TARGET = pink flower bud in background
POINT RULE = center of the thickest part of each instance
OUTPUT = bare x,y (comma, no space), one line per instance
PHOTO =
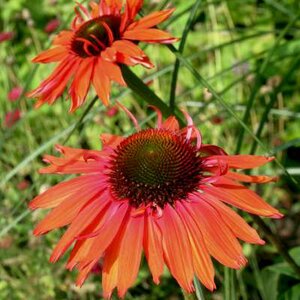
52,25
14,93
6,36
23,185
112,111
12,117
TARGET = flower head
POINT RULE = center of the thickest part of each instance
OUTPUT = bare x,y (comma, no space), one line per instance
161,191
91,52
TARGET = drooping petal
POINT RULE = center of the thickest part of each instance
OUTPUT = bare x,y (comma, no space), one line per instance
130,254
51,55
81,82
130,54
61,165
149,35
153,248
64,190
101,82
131,10
97,241
239,196
86,217
113,72
243,161
77,153
251,178
151,20
219,240
122,260
177,248
202,263
236,223
65,213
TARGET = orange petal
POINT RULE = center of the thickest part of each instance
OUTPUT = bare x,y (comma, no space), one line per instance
77,153
240,196
81,82
111,140
101,82
153,248
109,227
130,254
122,259
130,54
60,165
243,161
177,249
65,213
202,263
171,124
236,223
151,20
63,38
250,179
64,190
51,55
92,248
149,35
88,215
133,7
114,72
219,240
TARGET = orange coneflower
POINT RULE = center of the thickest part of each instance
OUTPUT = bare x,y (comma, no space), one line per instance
159,190
92,51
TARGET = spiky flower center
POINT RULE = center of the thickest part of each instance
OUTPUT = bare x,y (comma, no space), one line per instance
96,35
154,166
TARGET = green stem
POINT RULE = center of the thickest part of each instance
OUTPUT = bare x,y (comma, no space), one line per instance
275,240
144,92
79,122
180,50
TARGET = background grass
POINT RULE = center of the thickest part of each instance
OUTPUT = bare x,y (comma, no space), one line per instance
245,59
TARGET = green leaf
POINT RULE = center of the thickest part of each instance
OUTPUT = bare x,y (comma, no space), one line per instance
284,268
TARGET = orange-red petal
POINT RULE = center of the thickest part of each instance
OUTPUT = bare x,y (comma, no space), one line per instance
101,82
239,196
64,190
202,263
149,35
151,20
236,223
243,161
51,55
153,248
177,248
219,240
251,178
81,82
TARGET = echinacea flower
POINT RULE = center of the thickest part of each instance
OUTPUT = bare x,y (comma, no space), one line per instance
161,191
92,51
